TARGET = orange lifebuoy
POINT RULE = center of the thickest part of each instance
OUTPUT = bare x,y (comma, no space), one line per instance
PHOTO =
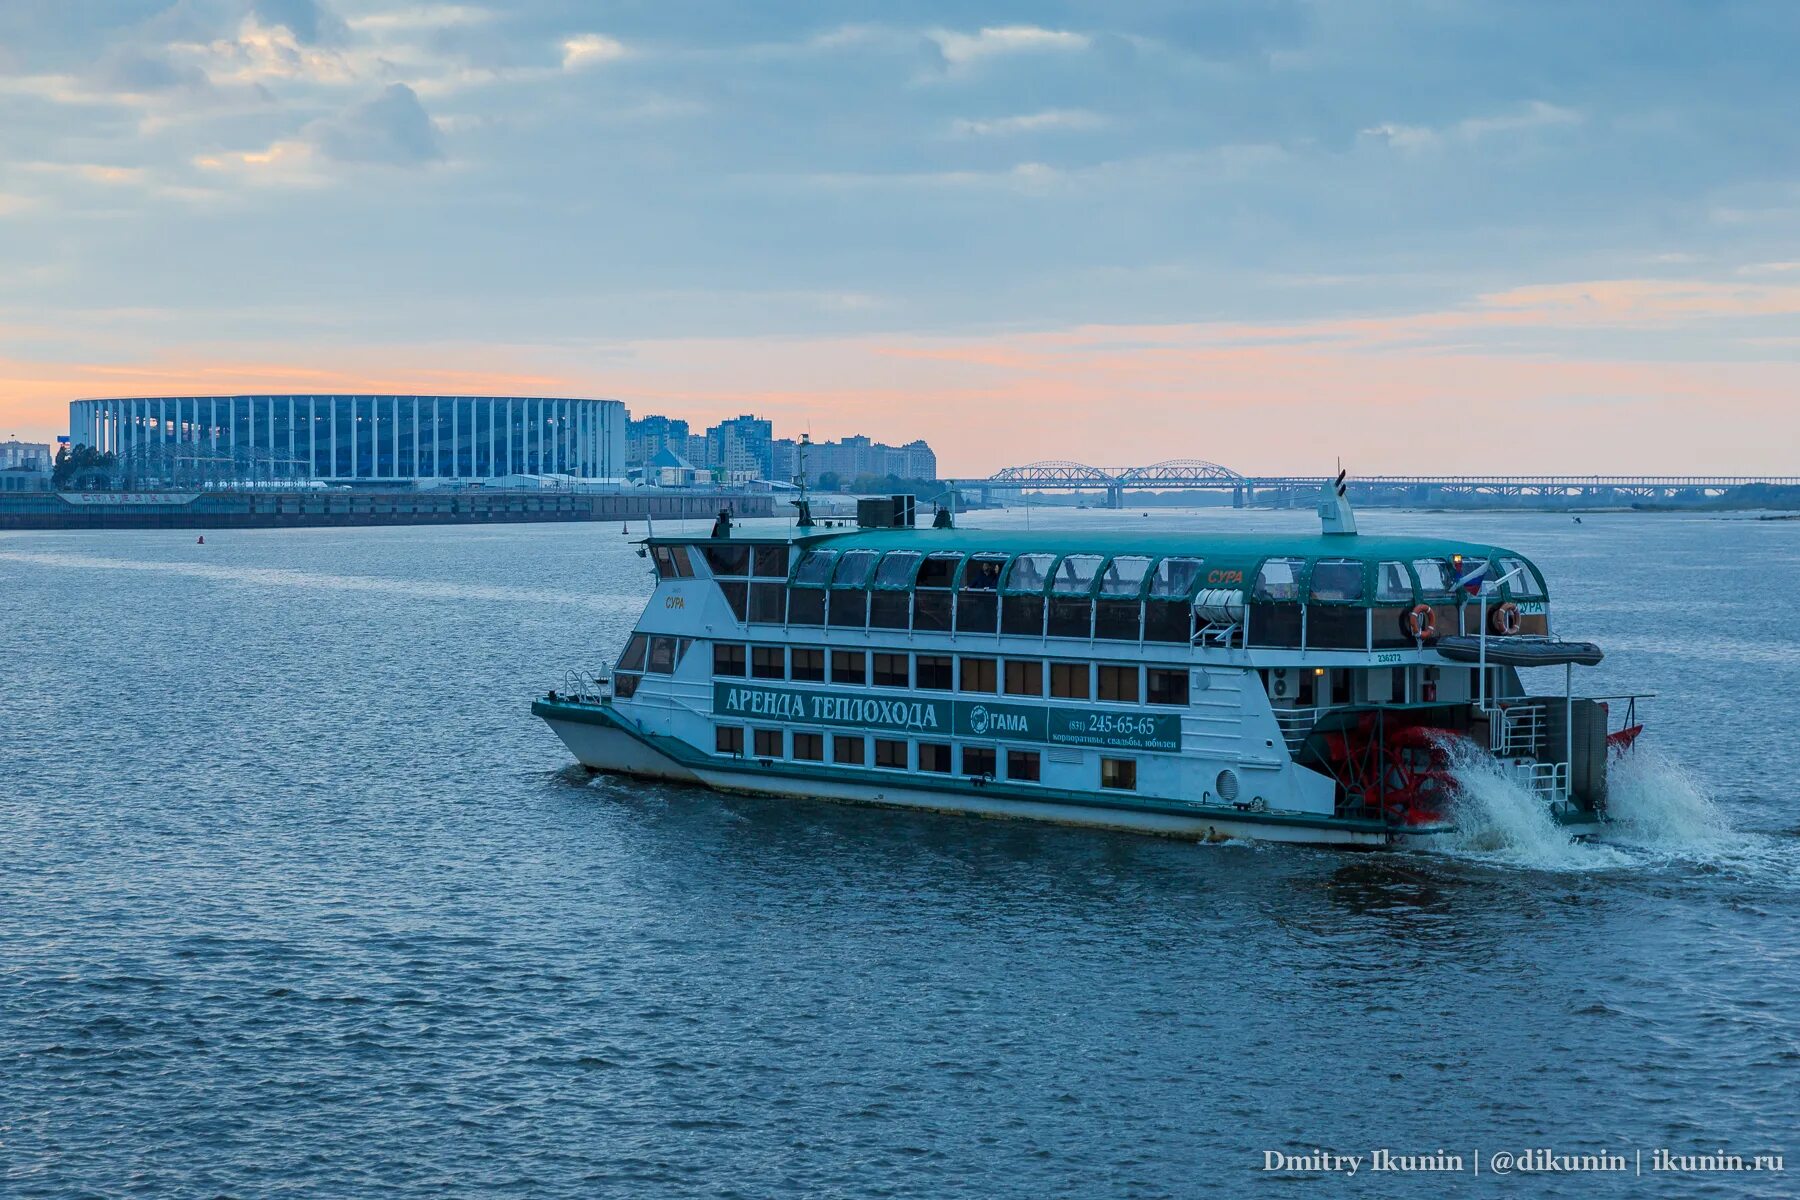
1419,622
1504,620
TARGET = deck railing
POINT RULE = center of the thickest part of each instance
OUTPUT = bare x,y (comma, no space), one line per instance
1296,725
586,686
1517,730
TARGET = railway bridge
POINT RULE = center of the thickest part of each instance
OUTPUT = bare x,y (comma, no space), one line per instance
1199,475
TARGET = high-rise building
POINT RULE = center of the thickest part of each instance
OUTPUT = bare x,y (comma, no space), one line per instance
24,456
853,458
743,447
646,436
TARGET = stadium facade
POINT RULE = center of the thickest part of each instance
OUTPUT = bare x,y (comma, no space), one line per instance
349,439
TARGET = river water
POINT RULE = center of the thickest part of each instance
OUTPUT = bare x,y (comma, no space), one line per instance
297,898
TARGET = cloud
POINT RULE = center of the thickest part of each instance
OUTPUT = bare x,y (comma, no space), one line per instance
1048,121
422,17
392,128
1535,115
311,23
586,50
961,50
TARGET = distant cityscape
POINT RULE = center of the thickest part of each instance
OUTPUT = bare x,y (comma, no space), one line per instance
665,451
426,441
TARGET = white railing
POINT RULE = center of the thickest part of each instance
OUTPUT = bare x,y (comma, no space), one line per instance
586,686
1548,782
1295,725
1518,729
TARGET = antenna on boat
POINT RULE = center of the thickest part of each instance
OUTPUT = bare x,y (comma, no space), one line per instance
803,504
1335,513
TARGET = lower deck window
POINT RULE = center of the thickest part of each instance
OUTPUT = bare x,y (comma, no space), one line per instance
1069,681
625,686
847,748
768,743
891,670
1024,677
976,674
1119,773
849,666
806,665
1165,686
934,756
1119,684
890,753
933,671
978,761
809,747
1024,765
728,739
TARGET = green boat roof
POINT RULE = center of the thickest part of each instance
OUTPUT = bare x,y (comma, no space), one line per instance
1229,560
1235,547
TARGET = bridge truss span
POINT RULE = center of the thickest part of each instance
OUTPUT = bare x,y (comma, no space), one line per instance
1201,475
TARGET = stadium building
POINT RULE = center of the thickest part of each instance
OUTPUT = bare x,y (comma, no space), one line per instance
351,439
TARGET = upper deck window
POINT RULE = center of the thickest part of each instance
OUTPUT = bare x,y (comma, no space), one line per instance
1337,580
1075,574
1029,572
938,570
854,568
896,569
1278,580
633,658
728,560
1434,576
672,562
983,572
1392,584
1175,578
666,654
1124,575
771,562
1525,585
815,568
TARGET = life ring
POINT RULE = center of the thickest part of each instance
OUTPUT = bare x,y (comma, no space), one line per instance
1504,620
1419,622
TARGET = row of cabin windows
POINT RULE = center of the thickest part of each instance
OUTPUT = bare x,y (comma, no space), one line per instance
1125,576
925,611
938,758
1331,624
1115,682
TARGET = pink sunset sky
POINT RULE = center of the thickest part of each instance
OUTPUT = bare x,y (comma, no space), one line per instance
1104,234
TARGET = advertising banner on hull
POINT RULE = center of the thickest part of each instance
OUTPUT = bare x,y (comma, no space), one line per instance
910,713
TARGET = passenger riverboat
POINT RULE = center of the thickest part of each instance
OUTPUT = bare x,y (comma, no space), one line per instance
1314,688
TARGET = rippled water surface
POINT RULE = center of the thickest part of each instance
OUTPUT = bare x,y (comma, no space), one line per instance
297,898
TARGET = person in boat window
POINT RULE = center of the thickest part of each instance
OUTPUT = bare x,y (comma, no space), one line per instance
1278,580
982,575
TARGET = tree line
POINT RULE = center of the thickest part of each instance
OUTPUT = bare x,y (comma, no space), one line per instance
82,468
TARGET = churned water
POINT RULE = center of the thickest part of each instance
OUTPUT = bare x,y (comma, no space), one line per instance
297,899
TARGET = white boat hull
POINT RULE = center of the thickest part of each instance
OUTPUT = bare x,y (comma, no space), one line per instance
614,750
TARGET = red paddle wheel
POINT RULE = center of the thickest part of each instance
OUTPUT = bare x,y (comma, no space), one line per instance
1402,772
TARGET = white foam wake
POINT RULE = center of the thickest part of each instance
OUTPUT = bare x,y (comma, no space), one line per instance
1497,818
1655,809
1654,801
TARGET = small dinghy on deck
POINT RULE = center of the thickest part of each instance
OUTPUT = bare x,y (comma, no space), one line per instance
1520,651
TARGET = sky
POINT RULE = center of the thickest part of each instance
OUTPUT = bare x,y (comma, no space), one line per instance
1419,235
